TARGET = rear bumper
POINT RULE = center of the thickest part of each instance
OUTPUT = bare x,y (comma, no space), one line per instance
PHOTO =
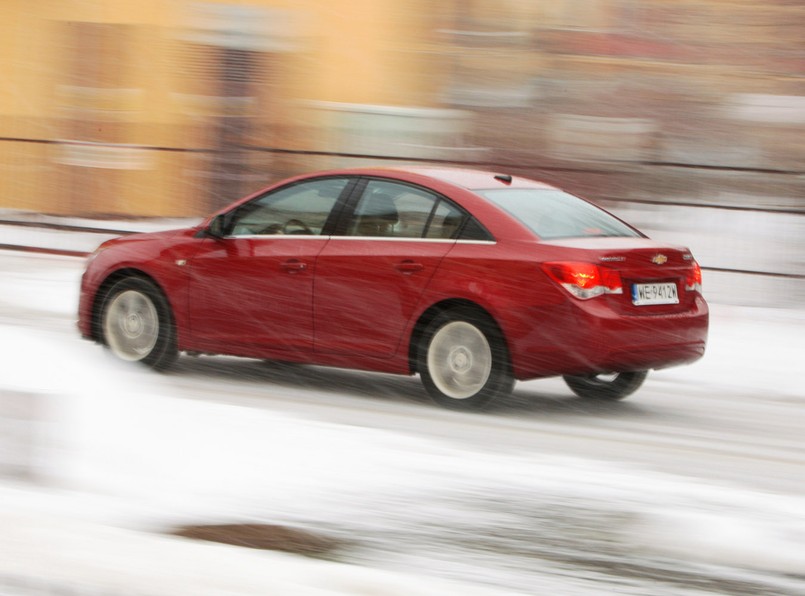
587,337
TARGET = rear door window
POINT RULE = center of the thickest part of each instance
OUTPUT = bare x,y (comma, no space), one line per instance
390,209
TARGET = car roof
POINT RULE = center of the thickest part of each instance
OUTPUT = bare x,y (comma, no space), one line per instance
462,177
476,179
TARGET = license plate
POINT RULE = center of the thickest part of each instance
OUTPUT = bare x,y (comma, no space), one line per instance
665,293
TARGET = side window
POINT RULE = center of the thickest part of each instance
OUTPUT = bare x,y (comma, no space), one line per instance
390,209
298,209
446,222
396,210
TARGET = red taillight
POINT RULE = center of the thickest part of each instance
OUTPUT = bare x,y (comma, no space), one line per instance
693,279
584,280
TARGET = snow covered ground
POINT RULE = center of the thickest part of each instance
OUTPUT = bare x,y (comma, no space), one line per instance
695,485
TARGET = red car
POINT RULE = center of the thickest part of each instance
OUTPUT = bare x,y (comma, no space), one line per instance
470,279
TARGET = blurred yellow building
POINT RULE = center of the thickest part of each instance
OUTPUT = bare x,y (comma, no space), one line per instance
173,108
151,107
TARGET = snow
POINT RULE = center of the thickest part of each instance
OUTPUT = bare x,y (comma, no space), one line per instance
690,487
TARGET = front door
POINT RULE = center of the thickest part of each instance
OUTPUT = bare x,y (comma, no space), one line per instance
251,292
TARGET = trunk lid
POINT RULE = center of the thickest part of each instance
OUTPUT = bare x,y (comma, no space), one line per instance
657,278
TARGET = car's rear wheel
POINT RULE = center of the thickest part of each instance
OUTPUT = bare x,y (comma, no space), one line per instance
137,324
463,361
606,386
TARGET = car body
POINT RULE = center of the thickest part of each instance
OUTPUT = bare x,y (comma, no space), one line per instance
471,279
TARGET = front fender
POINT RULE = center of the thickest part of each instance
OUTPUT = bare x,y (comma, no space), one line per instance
160,257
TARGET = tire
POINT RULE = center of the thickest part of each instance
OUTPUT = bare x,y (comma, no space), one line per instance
137,324
610,387
463,361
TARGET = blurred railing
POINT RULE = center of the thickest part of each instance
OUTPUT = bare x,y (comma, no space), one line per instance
752,254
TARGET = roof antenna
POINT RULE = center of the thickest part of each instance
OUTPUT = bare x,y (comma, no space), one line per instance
505,178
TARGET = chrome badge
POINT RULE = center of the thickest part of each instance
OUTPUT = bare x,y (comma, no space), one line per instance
659,259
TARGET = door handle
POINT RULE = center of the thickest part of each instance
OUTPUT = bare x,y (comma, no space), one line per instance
409,266
294,266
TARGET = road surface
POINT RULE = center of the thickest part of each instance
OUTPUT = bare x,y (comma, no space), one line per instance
694,485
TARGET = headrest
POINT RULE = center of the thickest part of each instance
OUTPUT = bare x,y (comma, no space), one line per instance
380,206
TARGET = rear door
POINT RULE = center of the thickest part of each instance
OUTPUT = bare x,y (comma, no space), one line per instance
369,279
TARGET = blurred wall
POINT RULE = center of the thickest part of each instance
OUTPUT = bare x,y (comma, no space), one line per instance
175,108
154,108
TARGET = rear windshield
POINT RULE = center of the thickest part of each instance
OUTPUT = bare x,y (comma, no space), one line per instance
555,214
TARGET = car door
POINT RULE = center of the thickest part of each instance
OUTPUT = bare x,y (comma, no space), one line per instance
251,290
369,278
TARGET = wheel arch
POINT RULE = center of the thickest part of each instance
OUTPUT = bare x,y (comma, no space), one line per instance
435,310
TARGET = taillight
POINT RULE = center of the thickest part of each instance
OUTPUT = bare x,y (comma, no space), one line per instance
584,280
693,279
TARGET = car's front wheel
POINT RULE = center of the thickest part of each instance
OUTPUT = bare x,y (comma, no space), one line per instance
463,361
612,386
137,324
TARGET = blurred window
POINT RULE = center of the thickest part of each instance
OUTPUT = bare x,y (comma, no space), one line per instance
396,210
552,214
593,15
446,221
299,209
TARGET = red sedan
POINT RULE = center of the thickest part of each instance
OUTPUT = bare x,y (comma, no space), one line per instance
468,278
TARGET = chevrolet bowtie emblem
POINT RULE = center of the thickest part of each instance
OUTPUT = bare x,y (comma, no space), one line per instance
659,259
